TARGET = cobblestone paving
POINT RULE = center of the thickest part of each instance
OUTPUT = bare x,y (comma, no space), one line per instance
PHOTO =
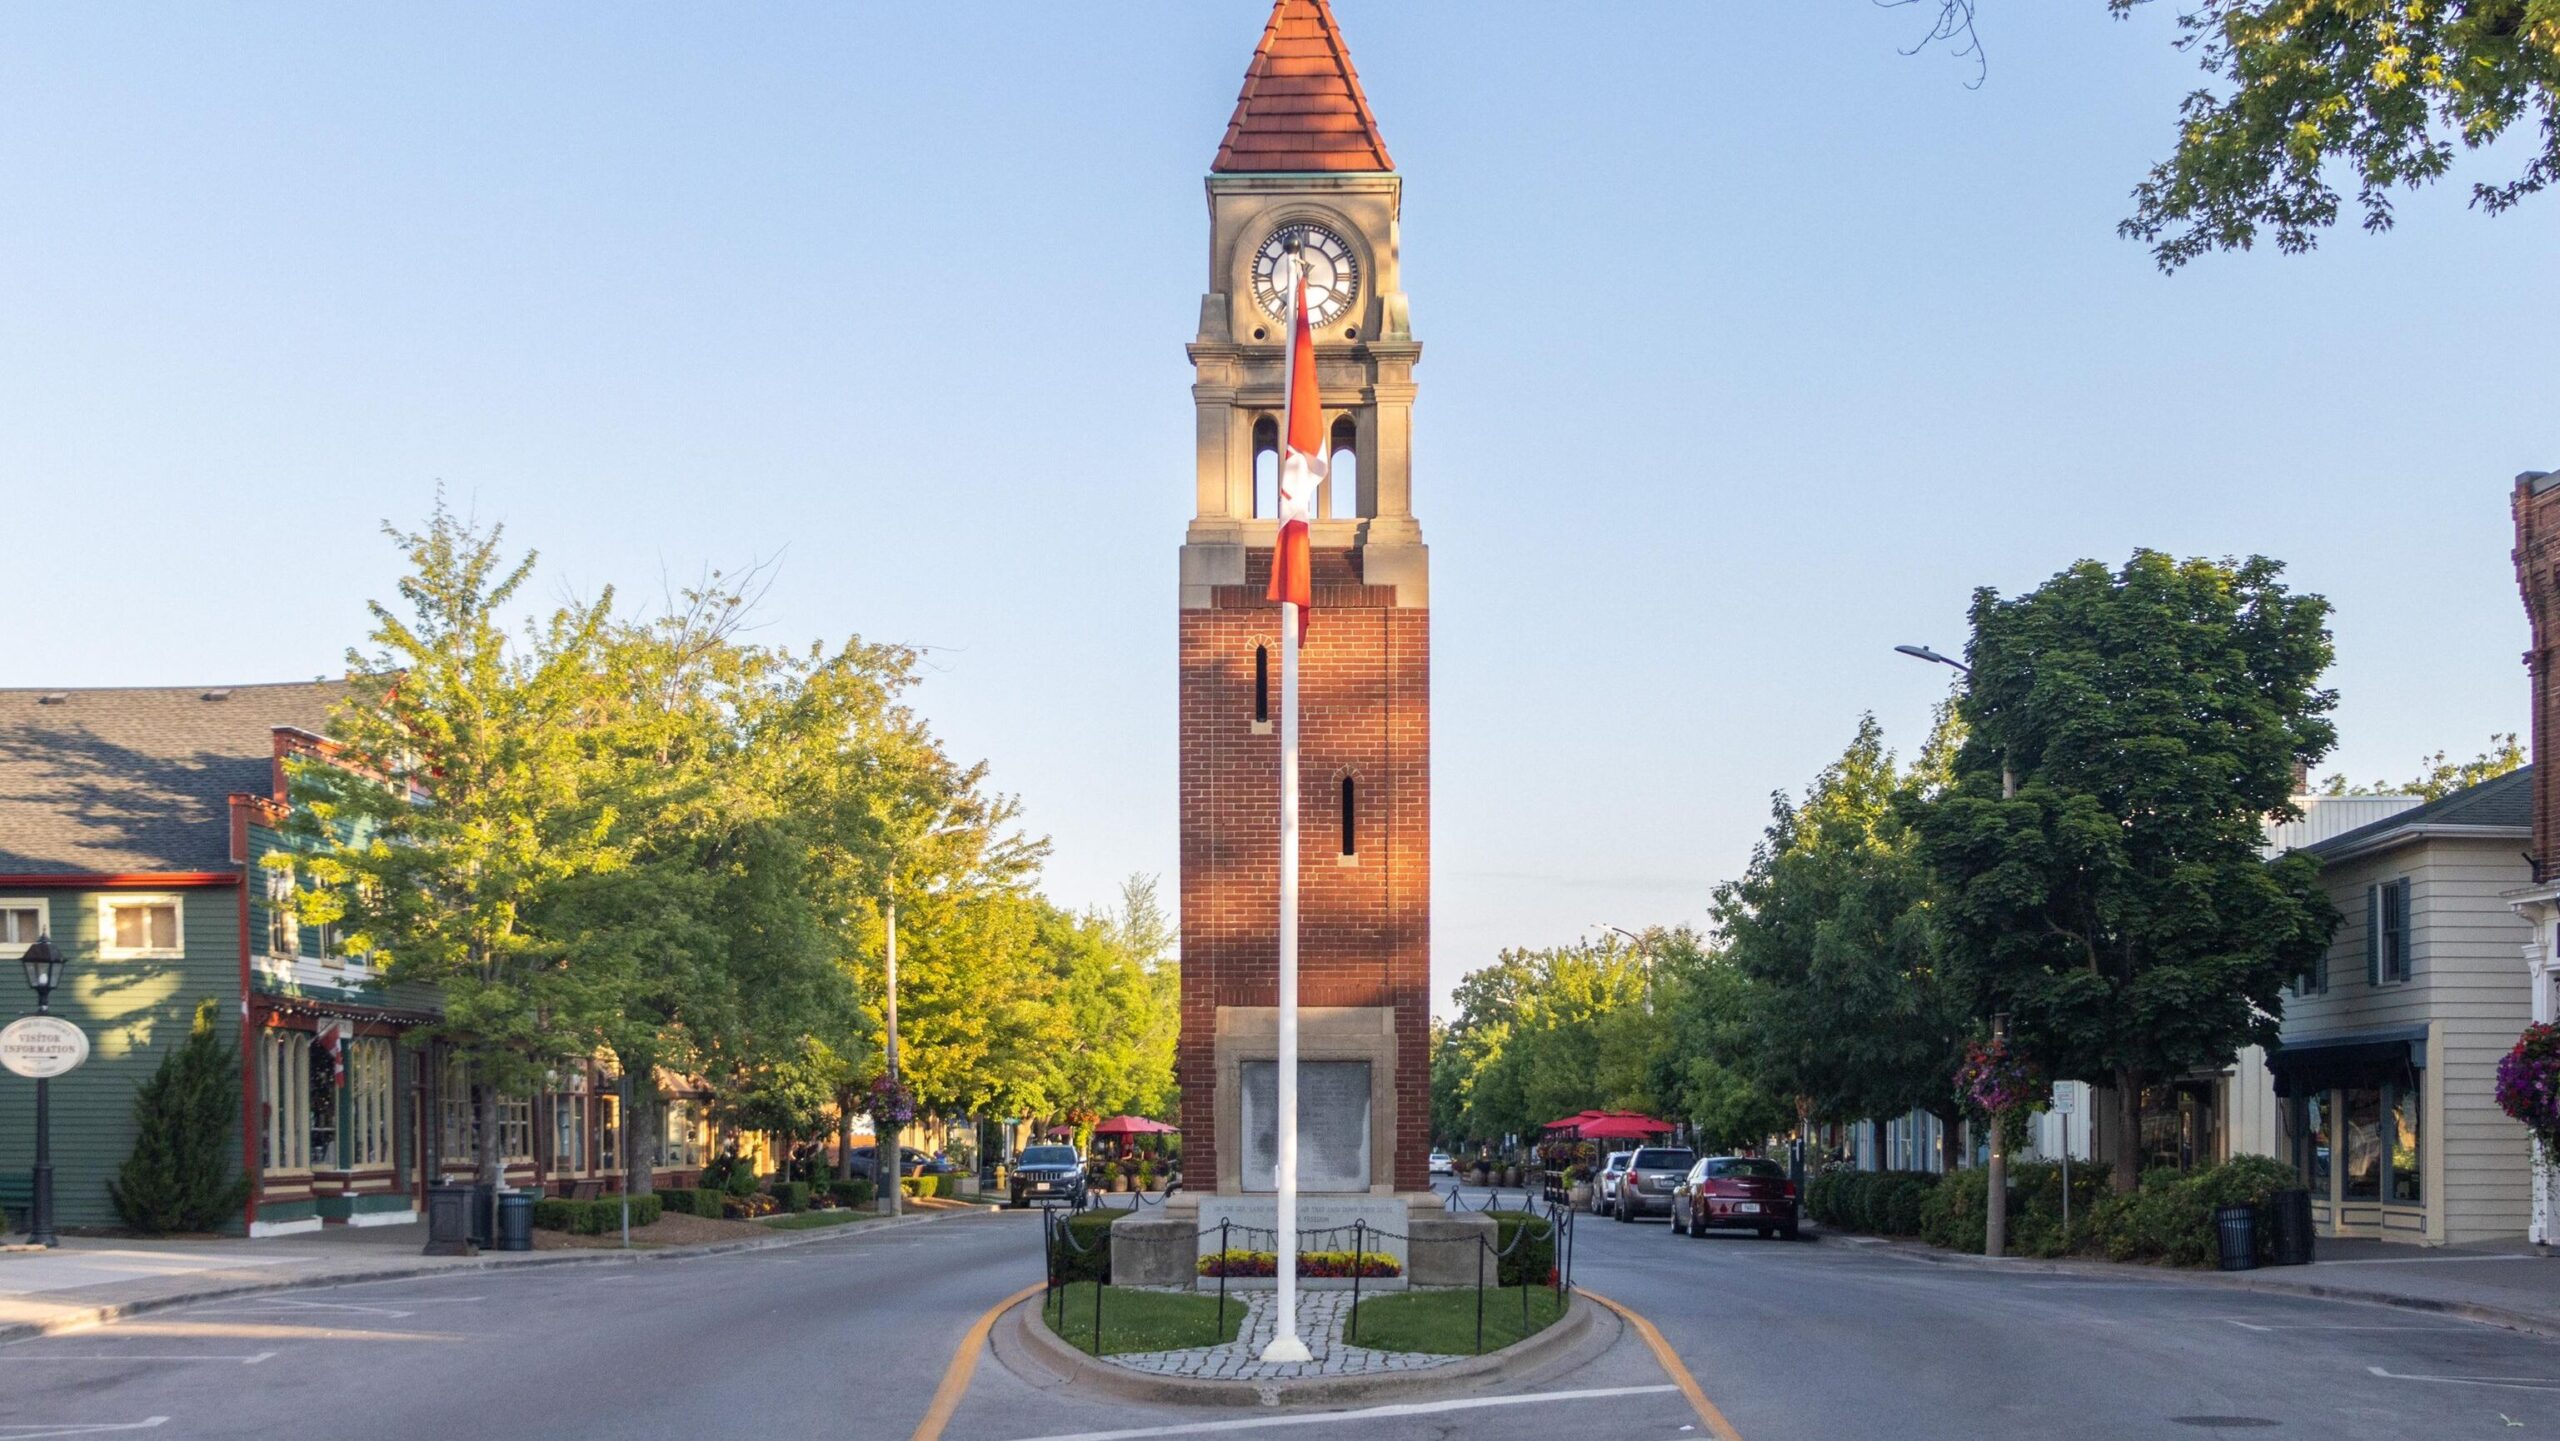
1321,1315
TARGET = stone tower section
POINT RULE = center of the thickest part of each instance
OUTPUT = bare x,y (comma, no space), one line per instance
1302,165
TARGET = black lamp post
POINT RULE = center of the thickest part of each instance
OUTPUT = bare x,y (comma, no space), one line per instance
43,965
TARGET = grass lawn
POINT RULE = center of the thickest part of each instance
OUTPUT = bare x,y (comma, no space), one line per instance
1443,1323
1139,1320
811,1220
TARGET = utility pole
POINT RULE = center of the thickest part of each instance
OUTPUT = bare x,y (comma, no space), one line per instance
1995,1216
888,1157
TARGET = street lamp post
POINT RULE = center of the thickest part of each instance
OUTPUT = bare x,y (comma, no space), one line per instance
43,966
1995,1216
1644,956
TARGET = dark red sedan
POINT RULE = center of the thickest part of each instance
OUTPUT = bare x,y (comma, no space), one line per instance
1735,1193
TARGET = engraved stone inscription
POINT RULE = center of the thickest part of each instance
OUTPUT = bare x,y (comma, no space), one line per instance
1333,1125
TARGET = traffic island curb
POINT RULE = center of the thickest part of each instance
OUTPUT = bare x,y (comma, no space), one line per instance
1585,1331
86,1317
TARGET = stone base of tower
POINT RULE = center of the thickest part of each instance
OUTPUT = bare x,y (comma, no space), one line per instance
1162,1247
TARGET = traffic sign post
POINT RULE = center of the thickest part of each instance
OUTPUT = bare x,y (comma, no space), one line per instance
2063,1101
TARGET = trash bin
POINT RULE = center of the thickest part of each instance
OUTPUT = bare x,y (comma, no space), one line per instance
2289,1214
2238,1227
515,1220
449,1219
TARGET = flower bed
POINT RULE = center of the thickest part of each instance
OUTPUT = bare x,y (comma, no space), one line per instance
1314,1265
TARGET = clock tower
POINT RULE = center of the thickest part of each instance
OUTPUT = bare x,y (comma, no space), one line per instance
1302,167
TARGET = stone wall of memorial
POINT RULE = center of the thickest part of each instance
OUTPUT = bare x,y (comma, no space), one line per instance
1365,910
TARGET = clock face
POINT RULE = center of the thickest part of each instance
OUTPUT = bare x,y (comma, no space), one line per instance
1333,274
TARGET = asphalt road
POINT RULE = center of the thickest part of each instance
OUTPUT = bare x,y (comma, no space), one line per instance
848,1336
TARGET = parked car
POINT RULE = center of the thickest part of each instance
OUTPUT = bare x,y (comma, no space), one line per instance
1047,1176
911,1162
1645,1187
1737,1192
1604,1187
1443,1164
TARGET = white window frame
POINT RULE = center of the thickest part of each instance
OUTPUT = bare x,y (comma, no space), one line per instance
108,950
284,928
42,906
284,1083
365,1122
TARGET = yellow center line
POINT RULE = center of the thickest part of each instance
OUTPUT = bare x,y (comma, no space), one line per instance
1708,1415
964,1364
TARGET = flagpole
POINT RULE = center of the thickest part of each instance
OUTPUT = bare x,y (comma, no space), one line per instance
1286,1345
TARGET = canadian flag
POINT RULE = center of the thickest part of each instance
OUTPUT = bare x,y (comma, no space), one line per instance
1302,463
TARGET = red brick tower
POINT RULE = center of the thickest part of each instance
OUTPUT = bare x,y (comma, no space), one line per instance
1302,164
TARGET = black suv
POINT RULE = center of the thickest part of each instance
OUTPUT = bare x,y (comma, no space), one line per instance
1048,1176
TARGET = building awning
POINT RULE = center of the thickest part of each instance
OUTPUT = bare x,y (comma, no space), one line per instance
2365,1058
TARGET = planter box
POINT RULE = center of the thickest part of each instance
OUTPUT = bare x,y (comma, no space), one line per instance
1305,1283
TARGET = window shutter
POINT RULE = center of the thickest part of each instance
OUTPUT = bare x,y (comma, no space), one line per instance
2373,935
2407,935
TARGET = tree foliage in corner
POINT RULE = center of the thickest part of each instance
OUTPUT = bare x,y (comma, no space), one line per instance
2442,775
2386,91
181,1175
2382,93
2118,908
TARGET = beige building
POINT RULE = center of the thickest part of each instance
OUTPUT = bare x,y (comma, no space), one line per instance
2391,1044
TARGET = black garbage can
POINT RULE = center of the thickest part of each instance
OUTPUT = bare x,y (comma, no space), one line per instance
449,1219
515,1220
2238,1227
2289,1213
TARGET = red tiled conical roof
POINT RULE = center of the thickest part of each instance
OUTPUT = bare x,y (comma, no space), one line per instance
1302,108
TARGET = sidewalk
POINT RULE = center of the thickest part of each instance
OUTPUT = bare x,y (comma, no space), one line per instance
2501,1283
89,1280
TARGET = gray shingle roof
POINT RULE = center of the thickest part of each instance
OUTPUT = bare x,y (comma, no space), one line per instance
139,780
2501,802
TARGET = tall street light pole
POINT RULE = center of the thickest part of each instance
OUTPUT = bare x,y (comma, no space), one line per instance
888,1153
1644,956
1995,1219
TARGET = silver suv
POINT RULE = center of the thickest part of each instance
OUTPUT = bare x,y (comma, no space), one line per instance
1645,1189
1604,1187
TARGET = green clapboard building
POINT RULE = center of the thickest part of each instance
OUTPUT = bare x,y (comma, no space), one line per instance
133,826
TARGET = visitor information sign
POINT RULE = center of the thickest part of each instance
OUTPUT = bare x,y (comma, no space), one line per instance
39,1047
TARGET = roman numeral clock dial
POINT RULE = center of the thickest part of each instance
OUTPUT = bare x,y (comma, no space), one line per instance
1333,274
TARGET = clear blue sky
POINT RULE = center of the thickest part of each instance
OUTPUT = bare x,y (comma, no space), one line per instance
1752,346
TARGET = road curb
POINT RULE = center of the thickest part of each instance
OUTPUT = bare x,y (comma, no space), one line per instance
89,1316
2256,1280
1566,1341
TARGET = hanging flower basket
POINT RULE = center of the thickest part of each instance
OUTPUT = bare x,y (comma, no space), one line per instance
891,1104
1996,1080
2529,1083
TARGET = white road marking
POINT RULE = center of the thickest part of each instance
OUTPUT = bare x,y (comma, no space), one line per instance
2522,1383
73,1428
1373,1413
47,1357
2264,1326
2419,1261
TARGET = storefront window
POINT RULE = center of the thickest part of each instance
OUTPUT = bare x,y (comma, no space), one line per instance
568,1133
2315,1144
2362,1115
2408,1171
460,1129
284,1094
609,1131
324,1111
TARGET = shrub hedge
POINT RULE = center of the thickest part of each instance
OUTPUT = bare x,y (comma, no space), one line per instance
1534,1258
593,1218
791,1195
1886,1203
1091,1231
852,1193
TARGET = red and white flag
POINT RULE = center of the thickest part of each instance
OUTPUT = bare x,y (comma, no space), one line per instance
1302,463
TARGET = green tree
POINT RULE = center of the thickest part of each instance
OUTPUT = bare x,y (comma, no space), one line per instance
1709,1059
2440,775
2117,907
1857,1010
181,1175
457,807
1581,1033
2379,94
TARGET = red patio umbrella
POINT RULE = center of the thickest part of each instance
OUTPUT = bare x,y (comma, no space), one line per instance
1575,1120
1629,1127
1135,1126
